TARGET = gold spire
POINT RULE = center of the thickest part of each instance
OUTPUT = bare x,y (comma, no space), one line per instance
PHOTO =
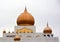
47,24
25,11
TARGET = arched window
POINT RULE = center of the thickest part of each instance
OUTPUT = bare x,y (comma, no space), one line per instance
48,35
44,35
24,30
52,35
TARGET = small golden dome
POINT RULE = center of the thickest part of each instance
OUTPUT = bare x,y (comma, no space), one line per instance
47,30
25,19
17,38
9,32
4,31
12,32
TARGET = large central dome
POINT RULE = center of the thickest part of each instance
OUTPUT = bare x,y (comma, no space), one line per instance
25,19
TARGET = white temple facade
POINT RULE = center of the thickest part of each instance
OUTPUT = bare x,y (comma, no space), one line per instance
25,31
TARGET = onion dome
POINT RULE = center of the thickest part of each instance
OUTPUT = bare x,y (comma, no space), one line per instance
4,31
12,32
47,30
17,38
25,19
9,32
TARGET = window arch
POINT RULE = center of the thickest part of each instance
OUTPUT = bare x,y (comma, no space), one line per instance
24,30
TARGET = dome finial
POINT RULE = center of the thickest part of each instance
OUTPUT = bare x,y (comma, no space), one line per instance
47,24
25,9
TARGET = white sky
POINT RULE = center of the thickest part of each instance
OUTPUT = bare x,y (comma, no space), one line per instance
42,10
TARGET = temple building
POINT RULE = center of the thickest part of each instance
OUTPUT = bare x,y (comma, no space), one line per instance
25,31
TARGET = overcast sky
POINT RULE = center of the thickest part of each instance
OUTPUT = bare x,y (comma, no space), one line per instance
42,10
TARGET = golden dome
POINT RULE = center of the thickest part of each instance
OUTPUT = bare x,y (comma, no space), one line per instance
47,30
25,19
4,31
17,38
